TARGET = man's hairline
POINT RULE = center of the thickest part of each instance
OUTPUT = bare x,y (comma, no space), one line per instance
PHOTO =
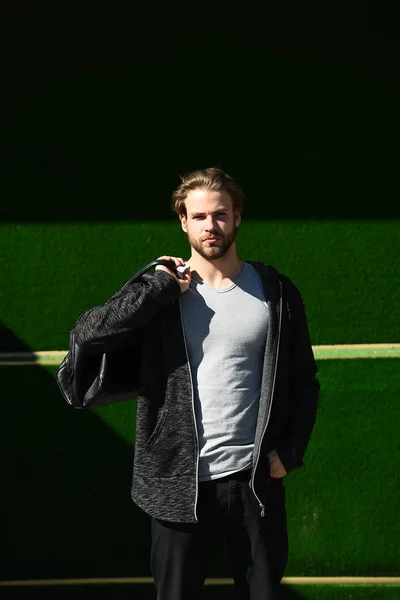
184,213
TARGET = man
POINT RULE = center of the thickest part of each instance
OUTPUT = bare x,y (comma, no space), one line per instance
227,400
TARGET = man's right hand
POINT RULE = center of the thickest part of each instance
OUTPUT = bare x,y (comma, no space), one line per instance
187,277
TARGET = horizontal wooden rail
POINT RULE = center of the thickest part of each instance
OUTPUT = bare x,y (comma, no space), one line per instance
210,581
325,352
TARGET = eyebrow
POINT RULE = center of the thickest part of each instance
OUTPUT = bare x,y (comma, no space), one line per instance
214,212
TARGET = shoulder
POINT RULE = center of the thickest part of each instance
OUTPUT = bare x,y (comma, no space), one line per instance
271,272
290,289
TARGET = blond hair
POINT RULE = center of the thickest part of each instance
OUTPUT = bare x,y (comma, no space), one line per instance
212,179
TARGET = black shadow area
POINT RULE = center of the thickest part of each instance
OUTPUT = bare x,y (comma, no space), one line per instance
105,108
65,504
128,592
66,509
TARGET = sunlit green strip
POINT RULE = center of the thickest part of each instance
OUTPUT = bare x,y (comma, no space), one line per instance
356,352
326,352
341,580
51,358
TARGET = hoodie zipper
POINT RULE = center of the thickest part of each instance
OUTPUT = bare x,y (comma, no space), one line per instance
260,504
194,417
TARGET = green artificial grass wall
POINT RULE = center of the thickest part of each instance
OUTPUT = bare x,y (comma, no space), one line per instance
311,592
67,477
347,272
343,504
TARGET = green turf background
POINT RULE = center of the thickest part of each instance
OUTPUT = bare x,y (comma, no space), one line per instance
67,507
347,272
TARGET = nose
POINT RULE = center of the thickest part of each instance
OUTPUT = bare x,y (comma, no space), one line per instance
209,224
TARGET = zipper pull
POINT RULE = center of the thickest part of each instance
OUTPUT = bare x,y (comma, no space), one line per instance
288,310
262,510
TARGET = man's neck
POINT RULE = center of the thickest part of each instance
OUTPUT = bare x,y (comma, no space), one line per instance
217,273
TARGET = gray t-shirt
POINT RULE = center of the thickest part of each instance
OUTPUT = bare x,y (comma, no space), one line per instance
225,333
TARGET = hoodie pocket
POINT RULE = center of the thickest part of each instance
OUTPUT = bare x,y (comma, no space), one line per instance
157,430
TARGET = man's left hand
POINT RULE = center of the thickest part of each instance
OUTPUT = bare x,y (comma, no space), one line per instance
277,470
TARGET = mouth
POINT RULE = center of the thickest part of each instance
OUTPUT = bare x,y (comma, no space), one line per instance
212,238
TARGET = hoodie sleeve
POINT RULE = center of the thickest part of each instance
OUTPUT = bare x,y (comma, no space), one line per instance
303,385
111,326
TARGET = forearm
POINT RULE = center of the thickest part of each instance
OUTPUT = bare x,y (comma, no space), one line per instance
303,386
111,326
303,405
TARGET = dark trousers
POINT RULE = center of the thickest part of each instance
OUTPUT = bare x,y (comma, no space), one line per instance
257,546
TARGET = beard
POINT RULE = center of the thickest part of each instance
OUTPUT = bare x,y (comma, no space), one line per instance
221,247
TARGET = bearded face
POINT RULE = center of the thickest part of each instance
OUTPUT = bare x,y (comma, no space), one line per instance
210,223
214,245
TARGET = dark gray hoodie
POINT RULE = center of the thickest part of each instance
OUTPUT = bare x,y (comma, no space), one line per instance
146,314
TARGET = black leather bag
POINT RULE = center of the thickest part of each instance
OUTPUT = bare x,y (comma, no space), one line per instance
86,380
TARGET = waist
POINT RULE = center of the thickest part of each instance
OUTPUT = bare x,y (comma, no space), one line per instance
243,475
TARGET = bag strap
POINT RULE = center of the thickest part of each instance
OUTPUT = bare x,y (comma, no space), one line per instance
154,263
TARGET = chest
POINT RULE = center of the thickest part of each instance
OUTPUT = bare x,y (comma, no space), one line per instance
233,322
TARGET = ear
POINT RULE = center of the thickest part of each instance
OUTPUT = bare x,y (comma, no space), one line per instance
238,218
183,220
